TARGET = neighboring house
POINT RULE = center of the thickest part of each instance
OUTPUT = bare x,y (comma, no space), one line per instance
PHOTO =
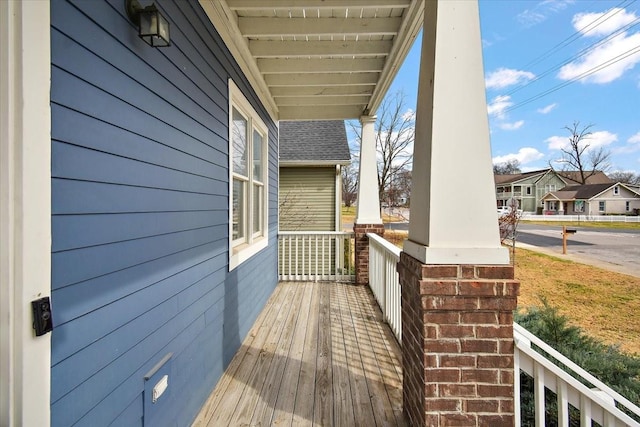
529,188
593,199
312,154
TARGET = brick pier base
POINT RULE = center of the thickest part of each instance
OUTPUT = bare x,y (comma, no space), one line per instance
457,342
362,249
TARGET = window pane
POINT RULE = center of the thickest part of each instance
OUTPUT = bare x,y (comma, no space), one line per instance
257,209
257,156
238,210
239,147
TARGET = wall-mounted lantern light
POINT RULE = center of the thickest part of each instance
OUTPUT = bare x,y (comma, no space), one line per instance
153,28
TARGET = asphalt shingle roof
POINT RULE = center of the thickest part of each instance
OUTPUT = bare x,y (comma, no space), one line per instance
314,141
574,177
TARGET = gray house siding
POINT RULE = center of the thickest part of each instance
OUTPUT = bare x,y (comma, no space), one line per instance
140,220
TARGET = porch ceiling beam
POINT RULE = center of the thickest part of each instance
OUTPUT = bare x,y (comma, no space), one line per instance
317,65
279,49
317,4
295,101
266,27
322,91
341,79
338,112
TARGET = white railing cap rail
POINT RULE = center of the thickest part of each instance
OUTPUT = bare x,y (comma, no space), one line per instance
523,340
387,245
315,233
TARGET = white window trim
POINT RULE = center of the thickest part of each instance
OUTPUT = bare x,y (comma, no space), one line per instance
616,190
25,210
239,253
604,206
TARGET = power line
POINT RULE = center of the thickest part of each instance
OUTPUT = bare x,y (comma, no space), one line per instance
576,35
578,55
587,73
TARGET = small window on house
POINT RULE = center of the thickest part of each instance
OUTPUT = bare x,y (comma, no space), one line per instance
627,206
528,191
601,206
616,191
248,175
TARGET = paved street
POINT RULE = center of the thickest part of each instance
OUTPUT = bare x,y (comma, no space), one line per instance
613,249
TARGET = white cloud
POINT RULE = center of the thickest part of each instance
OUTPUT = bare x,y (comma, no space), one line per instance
547,109
610,60
498,104
557,142
541,11
603,23
505,77
511,126
595,140
524,155
632,146
409,115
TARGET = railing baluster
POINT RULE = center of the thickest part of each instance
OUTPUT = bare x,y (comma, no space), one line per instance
563,405
538,390
585,411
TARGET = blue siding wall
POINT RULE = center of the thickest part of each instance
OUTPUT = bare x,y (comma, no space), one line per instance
140,195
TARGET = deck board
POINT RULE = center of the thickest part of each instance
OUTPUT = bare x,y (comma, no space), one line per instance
318,354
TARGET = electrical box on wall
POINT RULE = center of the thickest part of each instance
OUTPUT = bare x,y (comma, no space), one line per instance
157,387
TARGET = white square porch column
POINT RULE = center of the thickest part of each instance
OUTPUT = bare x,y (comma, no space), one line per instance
368,219
458,289
453,208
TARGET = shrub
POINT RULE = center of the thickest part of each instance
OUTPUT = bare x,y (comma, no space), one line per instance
618,370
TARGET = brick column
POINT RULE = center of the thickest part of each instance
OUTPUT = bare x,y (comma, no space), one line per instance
362,249
457,341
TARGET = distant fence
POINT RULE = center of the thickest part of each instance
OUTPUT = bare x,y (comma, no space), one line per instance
581,218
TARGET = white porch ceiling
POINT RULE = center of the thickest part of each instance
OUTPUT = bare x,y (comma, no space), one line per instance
318,59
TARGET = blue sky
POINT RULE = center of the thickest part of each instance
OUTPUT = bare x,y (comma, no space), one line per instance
533,47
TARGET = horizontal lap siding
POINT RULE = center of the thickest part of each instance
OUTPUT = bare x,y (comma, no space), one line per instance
308,198
140,195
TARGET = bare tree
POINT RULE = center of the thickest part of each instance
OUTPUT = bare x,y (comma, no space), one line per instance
578,157
508,224
509,167
395,133
294,213
349,184
625,177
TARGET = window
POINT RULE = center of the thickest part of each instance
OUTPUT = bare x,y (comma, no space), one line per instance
578,206
627,206
528,191
616,191
553,205
248,177
601,206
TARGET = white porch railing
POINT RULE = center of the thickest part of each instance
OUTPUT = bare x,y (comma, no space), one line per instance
316,255
595,400
383,280
329,256
581,218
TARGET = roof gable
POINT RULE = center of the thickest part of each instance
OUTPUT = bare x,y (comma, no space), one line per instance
320,142
516,177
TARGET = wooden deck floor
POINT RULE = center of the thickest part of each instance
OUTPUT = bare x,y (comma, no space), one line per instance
319,354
